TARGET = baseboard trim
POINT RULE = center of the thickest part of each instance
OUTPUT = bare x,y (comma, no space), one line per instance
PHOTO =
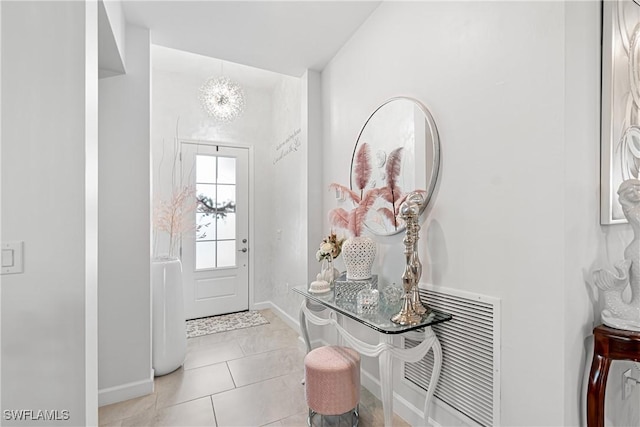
107,396
261,305
293,323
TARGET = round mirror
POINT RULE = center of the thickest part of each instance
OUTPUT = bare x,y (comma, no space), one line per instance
397,152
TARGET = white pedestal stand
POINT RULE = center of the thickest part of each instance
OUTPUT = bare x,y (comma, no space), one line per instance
168,322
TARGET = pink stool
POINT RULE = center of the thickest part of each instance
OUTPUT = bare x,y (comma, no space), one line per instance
332,382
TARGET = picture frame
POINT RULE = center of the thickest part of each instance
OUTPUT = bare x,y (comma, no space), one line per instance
620,114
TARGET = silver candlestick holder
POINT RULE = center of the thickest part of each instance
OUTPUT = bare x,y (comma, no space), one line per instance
416,199
412,308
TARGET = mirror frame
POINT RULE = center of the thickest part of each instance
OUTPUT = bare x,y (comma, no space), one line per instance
432,178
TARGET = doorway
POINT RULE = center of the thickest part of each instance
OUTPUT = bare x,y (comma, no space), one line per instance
215,253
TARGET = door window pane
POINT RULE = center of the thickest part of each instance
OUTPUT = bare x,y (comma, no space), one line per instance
205,169
226,170
205,255
205,227
227,253
227,197
208,191
226,227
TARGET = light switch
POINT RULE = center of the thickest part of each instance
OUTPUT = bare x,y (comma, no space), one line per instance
7,257
12,257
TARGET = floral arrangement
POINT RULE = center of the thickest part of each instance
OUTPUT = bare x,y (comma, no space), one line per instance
364,198
330,247
170,215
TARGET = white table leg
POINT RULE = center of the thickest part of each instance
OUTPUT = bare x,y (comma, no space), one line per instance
340,320
385,366
303,326
433,382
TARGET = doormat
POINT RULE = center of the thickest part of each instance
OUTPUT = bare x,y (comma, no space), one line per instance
224,323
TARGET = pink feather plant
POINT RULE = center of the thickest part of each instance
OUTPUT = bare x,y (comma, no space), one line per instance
362,168
392,193
363,198
353,220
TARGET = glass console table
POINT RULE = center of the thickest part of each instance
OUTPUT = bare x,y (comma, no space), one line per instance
385,350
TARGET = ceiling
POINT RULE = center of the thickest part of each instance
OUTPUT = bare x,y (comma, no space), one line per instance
204,67
287,37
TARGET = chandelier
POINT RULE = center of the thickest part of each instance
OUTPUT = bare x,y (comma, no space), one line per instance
222,99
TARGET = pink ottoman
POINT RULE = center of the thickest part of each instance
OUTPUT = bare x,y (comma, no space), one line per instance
332,381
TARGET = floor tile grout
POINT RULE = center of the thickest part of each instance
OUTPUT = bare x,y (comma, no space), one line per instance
244,357
235,386
213,408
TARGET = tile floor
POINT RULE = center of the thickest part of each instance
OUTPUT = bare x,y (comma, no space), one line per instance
247,377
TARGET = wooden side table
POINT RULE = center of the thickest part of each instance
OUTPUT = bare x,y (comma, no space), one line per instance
608,344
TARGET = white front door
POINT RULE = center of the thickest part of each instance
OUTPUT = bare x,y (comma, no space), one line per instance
215,257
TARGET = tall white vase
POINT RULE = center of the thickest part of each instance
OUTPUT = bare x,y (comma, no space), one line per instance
169,330
358,254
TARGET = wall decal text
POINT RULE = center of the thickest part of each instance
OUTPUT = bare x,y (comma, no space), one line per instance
288,146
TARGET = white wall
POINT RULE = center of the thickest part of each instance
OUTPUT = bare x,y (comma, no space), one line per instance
516,212
581,208
48,197
113,9
296,226
312,127
91,212
124,232
0,199
111,41
288,154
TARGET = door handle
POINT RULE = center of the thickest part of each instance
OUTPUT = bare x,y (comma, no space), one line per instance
243,250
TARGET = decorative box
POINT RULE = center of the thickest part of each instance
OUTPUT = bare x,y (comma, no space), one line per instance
346,289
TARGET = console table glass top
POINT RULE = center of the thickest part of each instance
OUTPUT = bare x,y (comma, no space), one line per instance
379,320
